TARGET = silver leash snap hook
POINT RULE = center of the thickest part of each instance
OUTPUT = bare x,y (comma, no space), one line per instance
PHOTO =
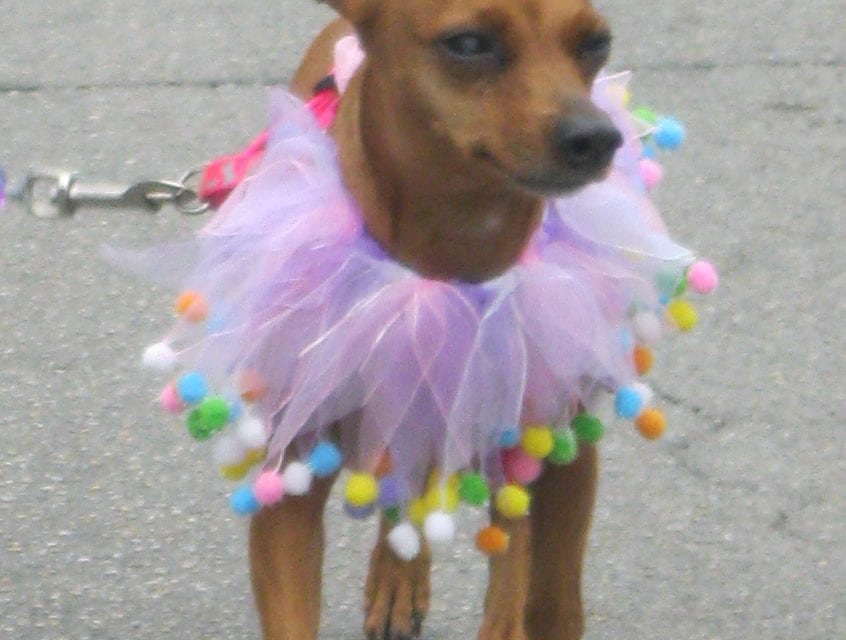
47,194
55,194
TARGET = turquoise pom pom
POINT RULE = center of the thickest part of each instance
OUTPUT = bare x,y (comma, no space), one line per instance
236,410
628,403
649,151
244,502
627,339
325,460
669,134
191,387
509,439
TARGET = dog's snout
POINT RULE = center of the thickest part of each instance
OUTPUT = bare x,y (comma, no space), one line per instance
585,142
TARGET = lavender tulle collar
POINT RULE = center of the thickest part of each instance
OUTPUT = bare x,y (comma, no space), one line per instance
301,346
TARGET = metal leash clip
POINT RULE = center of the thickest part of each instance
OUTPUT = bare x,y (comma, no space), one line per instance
59,194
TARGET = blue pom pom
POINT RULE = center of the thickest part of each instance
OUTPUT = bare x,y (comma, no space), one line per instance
359,513
325,460
649,152
243,501
191,387
392,492
627,339
215,323
670,134
236,410
628,403
509,438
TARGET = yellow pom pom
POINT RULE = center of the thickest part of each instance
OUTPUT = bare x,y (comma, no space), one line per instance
538,441
683,314
362,490
513,501
619,93
651,423
453,481
440,498
417,511
235,472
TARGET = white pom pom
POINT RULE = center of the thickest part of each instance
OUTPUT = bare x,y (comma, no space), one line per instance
251,433
439,528
404,541
229,451
644,391
297,479
647,327
159,357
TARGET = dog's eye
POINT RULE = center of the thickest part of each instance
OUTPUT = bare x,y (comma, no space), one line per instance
595,48
473,46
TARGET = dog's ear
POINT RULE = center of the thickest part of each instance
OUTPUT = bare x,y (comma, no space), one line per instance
359,12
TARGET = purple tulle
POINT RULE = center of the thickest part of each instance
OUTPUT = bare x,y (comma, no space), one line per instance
432,372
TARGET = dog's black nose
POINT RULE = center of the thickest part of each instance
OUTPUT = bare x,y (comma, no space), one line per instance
586,142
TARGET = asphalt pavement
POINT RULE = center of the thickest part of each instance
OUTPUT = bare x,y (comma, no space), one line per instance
733,527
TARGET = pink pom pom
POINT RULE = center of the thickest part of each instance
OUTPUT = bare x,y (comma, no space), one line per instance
702,277
268,488
520,467
652,172
169,399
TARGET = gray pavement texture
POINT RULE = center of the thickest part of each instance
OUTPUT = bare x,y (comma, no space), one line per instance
113,525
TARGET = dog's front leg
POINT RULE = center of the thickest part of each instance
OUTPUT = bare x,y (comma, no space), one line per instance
286,558
397,594
508,584
561,516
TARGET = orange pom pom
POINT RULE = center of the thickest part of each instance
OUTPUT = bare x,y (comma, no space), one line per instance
651,423
492,541
385,465
643,360
192,306
253,386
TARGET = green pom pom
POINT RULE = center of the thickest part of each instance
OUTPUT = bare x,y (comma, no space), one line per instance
215,411
392,515
473,489
211,416
645,114
198,427
566,448
588,428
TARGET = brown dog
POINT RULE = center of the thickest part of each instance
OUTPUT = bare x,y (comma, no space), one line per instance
464,116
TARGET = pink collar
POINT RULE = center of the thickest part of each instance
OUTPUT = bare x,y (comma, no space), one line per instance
222,175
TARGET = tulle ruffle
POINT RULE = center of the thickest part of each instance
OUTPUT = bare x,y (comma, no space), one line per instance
349,346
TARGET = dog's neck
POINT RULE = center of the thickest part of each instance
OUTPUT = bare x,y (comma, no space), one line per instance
425,206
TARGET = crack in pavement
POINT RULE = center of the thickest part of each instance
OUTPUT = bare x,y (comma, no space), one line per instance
7,87
718,422
211,83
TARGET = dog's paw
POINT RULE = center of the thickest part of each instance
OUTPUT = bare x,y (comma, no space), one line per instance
397,595
503,625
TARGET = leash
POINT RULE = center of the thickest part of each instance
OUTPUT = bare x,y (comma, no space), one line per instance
58,194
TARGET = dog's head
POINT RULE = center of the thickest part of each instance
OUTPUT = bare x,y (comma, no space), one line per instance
504,83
